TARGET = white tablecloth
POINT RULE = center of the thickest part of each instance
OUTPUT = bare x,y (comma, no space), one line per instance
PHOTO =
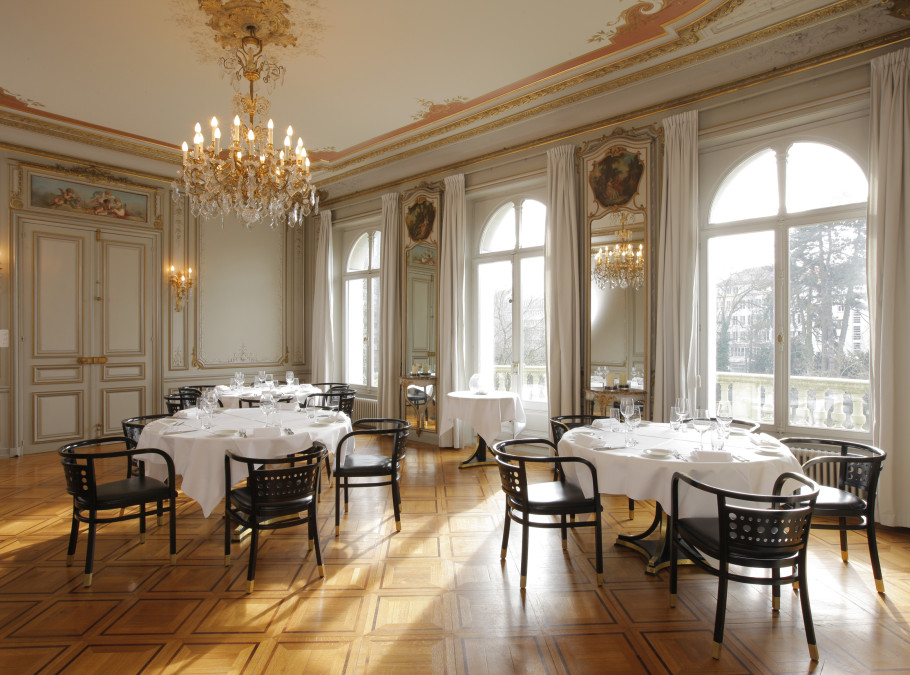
631,472
487,412
199,454
230,398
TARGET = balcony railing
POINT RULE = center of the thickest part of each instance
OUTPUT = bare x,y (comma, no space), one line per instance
814,402
534,388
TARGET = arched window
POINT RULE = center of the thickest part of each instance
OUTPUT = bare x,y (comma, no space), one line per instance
510,322
361,311
784,306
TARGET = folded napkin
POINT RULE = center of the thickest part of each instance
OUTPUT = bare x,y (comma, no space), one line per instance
711,456
587,439
221,388
187,413
266,432
765,441
608,424
286,405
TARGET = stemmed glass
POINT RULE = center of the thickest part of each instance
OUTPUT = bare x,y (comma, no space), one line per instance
206,406
724,416
682,409
260,377
289,377
267,404
702,423
270,381
627,408
633,420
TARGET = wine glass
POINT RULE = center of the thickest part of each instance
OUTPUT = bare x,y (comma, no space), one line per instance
267,404
239,377
289,377
724,416
270,381
206,406
682,408
260,377
627,408
633,420
702,423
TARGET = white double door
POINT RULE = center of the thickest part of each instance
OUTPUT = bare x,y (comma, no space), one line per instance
86,330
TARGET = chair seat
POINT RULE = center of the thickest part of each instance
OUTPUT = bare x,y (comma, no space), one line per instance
365,465
128,492
835,502
556,496
240,497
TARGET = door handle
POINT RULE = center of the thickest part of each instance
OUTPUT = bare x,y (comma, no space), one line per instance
84,360
99,359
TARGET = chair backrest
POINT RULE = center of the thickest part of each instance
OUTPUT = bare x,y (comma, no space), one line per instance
329,386
513,476
381,427
132,427
174,403
756,527
861,471
286,482
324,401
189,395
345,401
79,467
561,424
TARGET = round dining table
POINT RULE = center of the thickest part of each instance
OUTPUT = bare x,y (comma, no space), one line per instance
749,463
230,396
198,453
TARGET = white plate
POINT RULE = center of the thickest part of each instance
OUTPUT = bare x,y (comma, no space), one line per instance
776,452
657,453
223,433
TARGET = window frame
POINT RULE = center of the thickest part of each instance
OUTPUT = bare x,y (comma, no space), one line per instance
779,224
350,237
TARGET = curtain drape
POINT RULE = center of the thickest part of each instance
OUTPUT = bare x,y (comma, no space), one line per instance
322,336
450,362
563,289
676,335
888,257
390,303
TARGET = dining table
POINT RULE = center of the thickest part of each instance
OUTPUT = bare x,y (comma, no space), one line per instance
748,462
199,452
486,412
230,397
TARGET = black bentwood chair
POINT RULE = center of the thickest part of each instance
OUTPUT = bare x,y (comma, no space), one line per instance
770,532
90,497
273,497
357,465
562,424
554,498
856,467
132,429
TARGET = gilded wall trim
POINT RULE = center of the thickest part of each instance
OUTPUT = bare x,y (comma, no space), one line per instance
621,118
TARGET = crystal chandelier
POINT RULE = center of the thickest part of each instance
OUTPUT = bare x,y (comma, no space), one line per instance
621,266
251,177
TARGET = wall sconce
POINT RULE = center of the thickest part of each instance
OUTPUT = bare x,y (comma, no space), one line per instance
182,283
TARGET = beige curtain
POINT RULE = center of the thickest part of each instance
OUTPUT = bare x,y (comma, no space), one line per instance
450,362
390,308
322,336
563,284
676,348
888,257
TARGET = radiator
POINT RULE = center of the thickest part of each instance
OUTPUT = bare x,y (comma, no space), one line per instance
365,407
824,473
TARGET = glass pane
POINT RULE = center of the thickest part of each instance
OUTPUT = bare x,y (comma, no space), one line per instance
360,254
375,250
494,323
499,234
749,192
374,336
741,345
356,327
533,224
829,326
533,368
819,176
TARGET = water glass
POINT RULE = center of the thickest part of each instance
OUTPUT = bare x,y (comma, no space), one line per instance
615,419
269,380
702,423
289,376
267,405
205,406
718,436
724,416
633,420
675,422
260,377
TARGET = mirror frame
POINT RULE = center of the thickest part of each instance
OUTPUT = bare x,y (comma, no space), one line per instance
641,205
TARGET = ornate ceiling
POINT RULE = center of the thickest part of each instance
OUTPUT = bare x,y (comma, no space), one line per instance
368,83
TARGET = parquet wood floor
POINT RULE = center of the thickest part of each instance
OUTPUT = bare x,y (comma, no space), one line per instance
433,598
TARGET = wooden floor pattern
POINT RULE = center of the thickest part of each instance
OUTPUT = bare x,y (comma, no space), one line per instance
433,598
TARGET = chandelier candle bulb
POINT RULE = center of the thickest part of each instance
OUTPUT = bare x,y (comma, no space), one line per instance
217,141
186,150
271,132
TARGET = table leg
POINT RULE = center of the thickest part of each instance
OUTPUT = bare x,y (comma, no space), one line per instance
656,550
479,458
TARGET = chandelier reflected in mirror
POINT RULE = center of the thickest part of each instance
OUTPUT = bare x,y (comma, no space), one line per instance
619,266
249,176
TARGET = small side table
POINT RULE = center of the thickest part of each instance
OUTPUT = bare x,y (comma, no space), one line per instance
422,381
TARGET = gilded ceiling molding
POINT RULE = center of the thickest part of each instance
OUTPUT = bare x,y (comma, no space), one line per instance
268,16
619,119
604,71
900,9
628,20
430,108
79,135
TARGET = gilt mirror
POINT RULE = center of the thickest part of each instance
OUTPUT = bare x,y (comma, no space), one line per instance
619,200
